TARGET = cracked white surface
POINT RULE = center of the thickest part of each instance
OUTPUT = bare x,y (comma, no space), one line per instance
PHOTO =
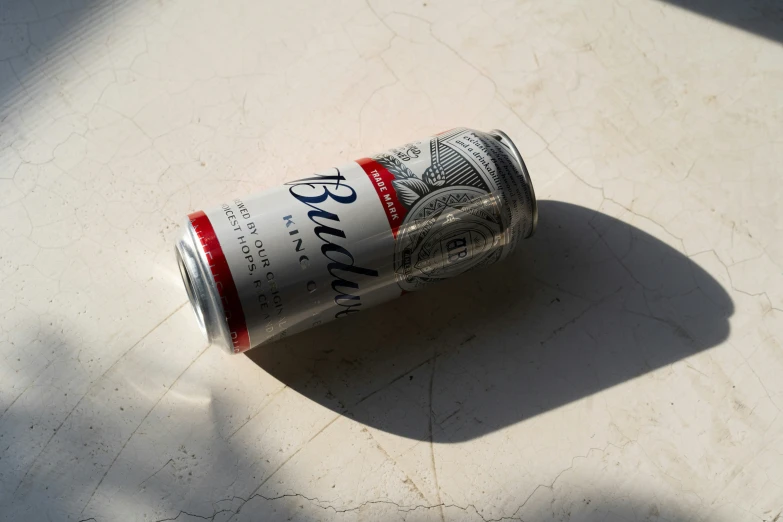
625,366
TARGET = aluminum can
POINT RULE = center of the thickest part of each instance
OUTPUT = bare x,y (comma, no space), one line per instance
329,245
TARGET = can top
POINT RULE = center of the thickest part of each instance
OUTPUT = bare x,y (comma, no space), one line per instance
504,140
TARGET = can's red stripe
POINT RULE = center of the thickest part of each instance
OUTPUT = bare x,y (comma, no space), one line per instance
227,290
382,179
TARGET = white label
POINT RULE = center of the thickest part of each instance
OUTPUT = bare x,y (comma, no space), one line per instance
311,251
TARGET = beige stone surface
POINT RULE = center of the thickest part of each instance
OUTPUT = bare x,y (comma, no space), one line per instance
626,365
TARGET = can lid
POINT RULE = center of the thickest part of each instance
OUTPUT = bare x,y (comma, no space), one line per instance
504,140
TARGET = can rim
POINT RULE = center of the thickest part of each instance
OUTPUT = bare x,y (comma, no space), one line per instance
192,291
201,289
505,140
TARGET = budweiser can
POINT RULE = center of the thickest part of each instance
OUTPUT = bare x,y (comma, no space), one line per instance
327,246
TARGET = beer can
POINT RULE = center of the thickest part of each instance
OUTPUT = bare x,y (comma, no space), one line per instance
329,245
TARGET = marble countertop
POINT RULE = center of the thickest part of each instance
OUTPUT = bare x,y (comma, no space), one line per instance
624,365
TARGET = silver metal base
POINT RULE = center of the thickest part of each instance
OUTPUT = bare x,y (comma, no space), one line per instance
201,289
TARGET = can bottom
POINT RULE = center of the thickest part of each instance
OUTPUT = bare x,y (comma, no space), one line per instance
201,289
191,291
